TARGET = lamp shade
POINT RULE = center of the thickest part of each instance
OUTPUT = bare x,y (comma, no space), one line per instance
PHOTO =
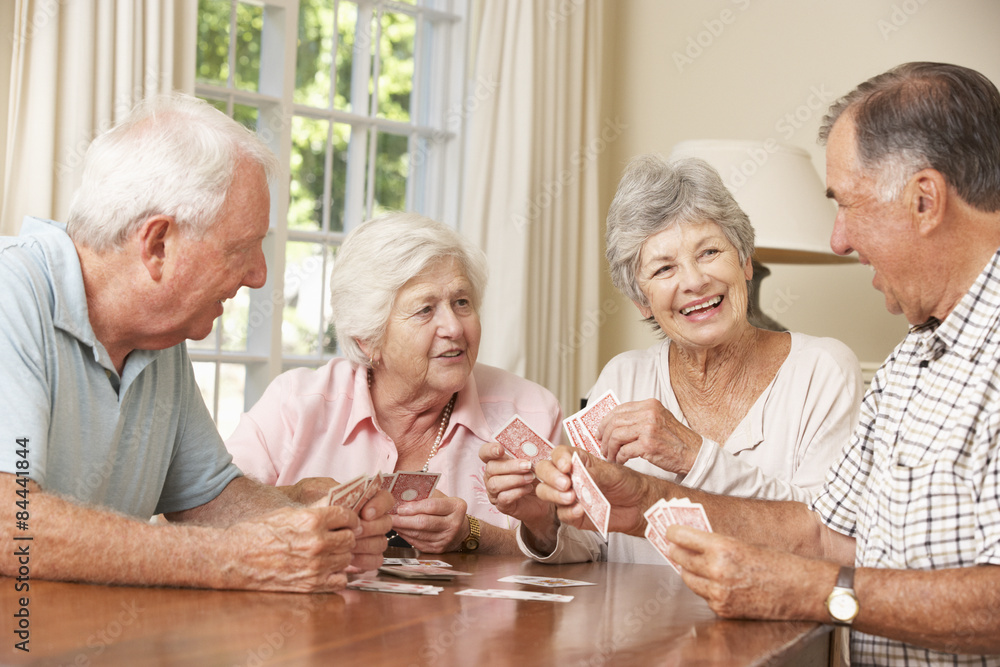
778,188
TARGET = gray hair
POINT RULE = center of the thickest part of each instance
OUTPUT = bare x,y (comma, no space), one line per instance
377,259
172,155
927,115
652,196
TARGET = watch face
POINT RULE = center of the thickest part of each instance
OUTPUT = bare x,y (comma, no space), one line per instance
843,606
472,544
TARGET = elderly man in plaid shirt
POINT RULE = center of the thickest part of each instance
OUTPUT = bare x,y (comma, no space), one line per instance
913,163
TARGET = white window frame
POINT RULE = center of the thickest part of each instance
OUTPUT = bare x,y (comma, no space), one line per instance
437,194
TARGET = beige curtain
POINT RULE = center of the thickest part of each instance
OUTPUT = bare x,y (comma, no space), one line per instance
77,67
531,187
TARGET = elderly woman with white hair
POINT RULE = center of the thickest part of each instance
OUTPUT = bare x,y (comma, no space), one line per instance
719,404
408,396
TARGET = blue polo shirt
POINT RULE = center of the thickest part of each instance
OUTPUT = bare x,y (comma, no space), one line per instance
142,443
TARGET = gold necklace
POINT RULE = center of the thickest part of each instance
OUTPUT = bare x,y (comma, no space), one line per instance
445,416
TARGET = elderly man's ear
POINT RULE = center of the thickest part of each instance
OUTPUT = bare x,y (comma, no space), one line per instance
154,236
928,198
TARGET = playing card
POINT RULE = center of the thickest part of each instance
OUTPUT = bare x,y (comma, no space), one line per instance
658,515
690,515
523,443
578,438
393,587
548,582
513,595
415,561
590,417
372,486
665,513
388,481
410,486
348,493
660,544
590,496
422,572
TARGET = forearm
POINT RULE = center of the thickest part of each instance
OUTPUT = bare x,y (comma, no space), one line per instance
784,525
497,541
76,543
242,499
952,610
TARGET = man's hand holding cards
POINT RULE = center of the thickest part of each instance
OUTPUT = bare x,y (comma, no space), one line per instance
664,513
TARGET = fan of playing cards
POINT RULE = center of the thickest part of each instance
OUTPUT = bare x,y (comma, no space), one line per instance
582,426
404,487
664,513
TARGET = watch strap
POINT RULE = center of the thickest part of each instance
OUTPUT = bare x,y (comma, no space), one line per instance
845,578
471,542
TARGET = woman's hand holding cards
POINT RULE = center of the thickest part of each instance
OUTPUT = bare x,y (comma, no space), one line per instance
510,485
433,525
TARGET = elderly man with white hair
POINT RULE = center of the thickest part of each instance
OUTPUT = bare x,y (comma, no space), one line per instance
408,396
101,421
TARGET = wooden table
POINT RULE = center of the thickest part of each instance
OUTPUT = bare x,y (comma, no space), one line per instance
635,615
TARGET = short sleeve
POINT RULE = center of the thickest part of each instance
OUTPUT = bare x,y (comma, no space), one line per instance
200,468
25,396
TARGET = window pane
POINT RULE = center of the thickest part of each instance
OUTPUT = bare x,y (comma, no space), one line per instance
249,21
315,50
338,177
213,42
206,343
391,168
349,44
329,338
204,375
234,321
232,382
309,137
304,294
246,116
395,80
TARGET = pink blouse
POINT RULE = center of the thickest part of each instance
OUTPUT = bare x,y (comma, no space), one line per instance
320,423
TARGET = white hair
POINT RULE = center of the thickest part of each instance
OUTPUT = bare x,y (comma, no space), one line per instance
173,155
377,259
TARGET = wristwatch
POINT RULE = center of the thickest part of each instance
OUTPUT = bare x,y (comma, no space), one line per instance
471,542
842,604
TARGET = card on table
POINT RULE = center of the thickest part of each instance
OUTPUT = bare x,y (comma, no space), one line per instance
547,582
410,486
521,442
588,494
393,587
502,593
414,561
421,571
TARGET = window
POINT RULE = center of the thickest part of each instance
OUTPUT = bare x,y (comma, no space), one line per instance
353,98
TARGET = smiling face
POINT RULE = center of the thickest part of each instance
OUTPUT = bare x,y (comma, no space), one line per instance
227,257
432,336
695,284
877,231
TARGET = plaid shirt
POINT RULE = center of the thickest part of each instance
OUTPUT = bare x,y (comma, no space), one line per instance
919,485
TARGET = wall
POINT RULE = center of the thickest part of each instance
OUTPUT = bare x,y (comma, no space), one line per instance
6,40
749,69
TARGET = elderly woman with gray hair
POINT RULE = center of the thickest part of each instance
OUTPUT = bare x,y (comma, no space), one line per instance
718,404
409,396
